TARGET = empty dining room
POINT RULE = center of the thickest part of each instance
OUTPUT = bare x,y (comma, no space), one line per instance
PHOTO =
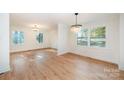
61,46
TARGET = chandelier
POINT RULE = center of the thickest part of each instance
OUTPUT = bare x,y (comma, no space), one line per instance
76,27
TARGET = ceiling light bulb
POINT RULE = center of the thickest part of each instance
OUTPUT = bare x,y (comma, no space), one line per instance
35,28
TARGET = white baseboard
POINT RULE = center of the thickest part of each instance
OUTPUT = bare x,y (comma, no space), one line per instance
61,53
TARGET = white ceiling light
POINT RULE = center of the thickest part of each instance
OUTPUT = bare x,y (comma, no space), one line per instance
76,27
35,27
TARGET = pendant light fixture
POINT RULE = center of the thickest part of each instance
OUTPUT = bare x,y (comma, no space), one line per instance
76,27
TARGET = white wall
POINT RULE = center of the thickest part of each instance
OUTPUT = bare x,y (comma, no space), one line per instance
4,43
121,64
30,39
111,52
54,39
63,30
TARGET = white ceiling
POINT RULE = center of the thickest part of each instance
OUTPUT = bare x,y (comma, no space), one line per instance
52,19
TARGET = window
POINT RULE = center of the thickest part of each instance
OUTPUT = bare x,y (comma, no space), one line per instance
82,37
39,38
18,37
95,37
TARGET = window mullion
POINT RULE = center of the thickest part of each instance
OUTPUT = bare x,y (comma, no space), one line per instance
88,40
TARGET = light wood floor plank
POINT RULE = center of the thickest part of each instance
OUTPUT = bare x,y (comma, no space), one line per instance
46,65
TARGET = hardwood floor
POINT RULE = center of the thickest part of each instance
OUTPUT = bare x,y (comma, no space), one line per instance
46,65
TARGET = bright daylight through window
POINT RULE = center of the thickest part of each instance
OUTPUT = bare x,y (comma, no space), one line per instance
18,37
95,38
39,38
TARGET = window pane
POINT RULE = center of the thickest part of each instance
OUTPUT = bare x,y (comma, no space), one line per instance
97,37
82,42
82,37
18,37
21,37
98,32
39,38
98,43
